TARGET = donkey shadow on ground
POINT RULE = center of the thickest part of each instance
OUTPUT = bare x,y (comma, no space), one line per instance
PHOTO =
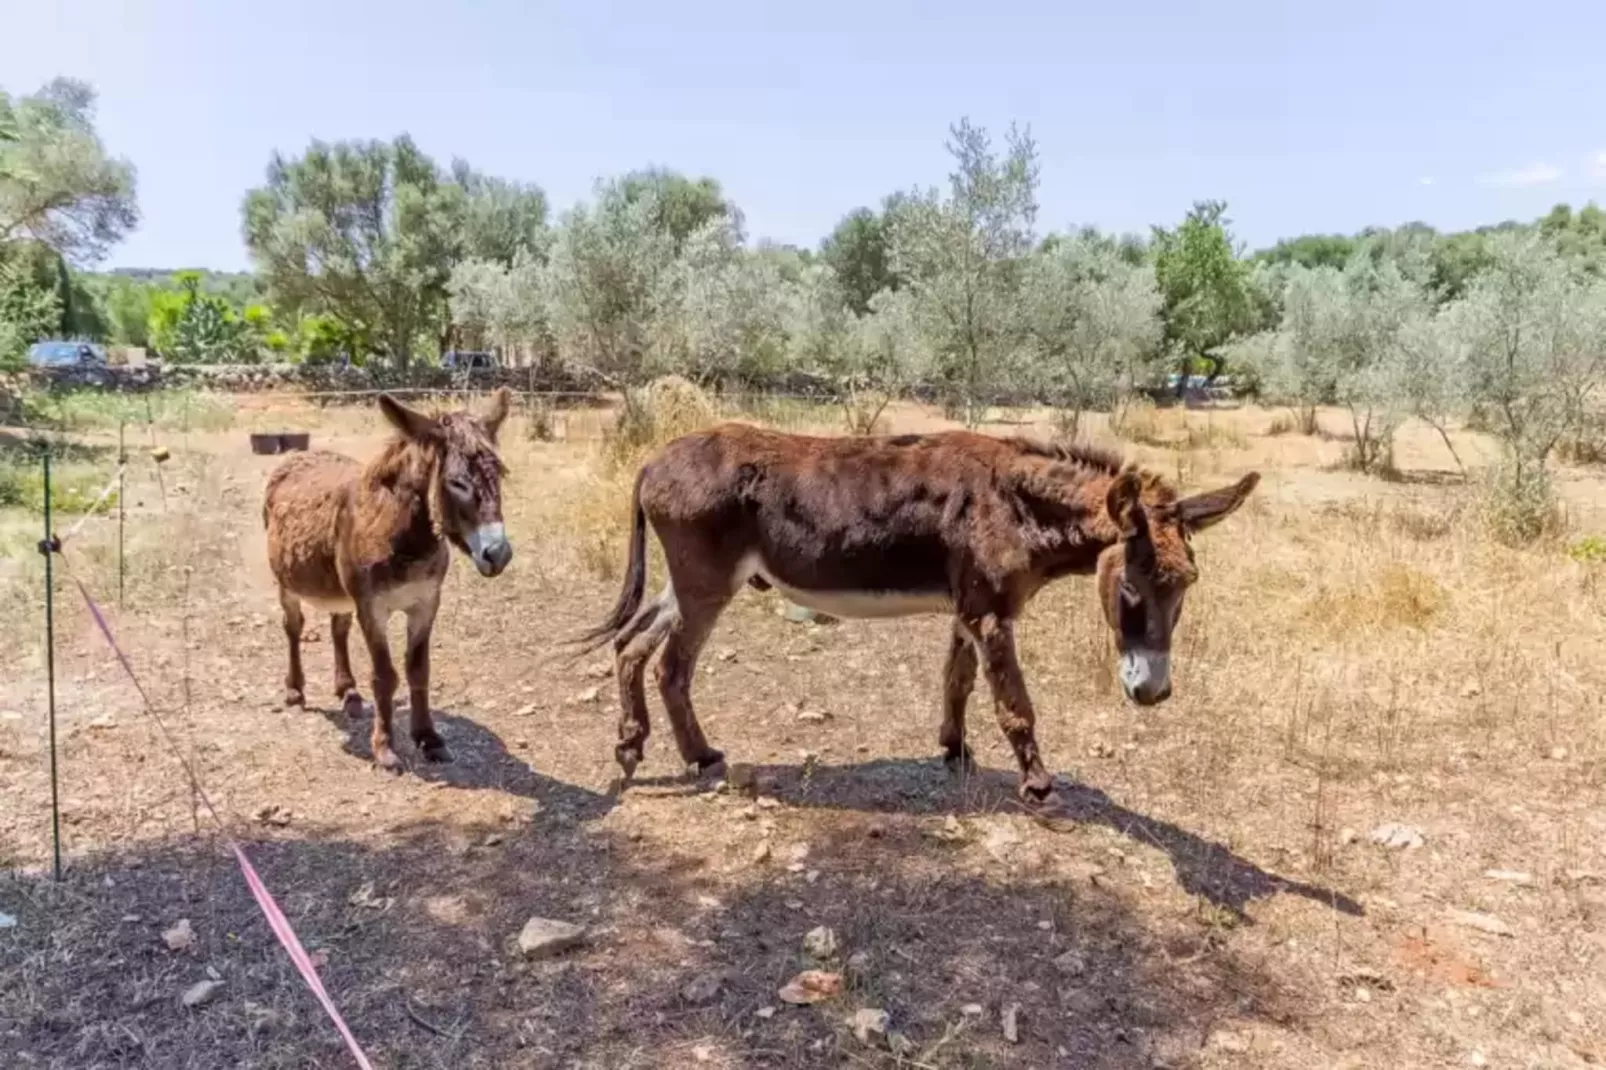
1204,867
480,760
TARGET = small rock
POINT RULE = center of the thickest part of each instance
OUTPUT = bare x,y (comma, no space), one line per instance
525,710
590,694
1397,836
1558,754
766,1013
741,776
811,986
972,1010
797,614
1347,836
1011,1023
104,722
274,815
543,937
794,867
1510,876
703,1053
952,830
820,942
1476,1058
201,992
761,853
8,921
1002,842
901,1045
1071,964
1471,690
702,990
1227,1040
726,655
811,876
813,717
1486,923
798,852
859,961
768,802
870,1026
1101,749
180,937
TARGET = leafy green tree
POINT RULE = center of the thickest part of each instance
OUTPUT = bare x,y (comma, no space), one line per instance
859,254
58,186
29,309
365,232
680,206
189,326
1204,287
962,254
502,220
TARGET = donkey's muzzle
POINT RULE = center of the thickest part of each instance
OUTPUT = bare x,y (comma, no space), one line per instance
1146,676
488,546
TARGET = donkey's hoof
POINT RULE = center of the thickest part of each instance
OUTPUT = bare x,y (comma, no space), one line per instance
962,760
708,761
1036,788
628,755
386,758
433,748
293,697
351,706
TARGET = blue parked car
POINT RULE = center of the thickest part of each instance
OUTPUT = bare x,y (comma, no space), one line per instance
83,362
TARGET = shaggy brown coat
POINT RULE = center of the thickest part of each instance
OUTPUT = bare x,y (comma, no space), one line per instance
955,523
370,540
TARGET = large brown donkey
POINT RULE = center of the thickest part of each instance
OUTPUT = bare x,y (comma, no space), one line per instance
375,539
955,523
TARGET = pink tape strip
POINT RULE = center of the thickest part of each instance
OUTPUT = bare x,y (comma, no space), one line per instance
259,891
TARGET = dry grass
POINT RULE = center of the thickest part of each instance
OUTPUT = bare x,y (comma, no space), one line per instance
1356,653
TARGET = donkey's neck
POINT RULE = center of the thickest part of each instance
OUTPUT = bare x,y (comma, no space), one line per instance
396,493
1062,506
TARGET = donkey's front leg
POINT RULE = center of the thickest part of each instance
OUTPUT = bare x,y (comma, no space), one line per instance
373,633
958,681
995,641
345,683
420,622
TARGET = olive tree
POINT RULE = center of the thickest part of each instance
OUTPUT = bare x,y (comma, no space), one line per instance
1091,324
728,316
961,254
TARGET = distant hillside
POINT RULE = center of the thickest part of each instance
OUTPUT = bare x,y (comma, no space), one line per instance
240,287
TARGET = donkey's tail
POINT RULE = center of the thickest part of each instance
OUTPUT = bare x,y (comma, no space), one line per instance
635,581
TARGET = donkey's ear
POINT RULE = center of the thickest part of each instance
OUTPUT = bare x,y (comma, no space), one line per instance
413,424
1121,500
1203,510
491,419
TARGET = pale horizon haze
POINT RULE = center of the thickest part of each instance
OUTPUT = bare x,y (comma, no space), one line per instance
1304,117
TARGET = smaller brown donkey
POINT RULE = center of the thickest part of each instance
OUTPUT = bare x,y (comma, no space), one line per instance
957,523
375,539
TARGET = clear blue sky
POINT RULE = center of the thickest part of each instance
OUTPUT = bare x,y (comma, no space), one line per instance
1305,116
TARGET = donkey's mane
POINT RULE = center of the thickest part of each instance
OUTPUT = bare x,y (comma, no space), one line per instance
1083,454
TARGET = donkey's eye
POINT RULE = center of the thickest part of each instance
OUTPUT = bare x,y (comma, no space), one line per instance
1129,593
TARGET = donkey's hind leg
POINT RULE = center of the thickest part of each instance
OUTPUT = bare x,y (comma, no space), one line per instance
958,681
345,682
633,646
295,681
687,634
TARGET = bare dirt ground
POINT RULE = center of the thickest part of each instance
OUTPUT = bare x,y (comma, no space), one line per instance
1356,655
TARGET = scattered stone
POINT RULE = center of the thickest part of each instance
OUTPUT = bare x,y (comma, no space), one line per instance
703,1053
1486,923
10,715
1101,749
1347,836
543,937
741,776
180,937
813,716
797,614
811,986
952,830
1510,876
200,993
8,921
1397,836
702,990
766,1013
726,654
1002,843
972,1010
275,815
601,670
103,723
761,853
590,694
525,710
1071,964
1477,1058
1011,1023
811,876
768,802
1227,1040
798,852
870,1026
859,961
364,897
1558,754
820,942
901,1045
1471,690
